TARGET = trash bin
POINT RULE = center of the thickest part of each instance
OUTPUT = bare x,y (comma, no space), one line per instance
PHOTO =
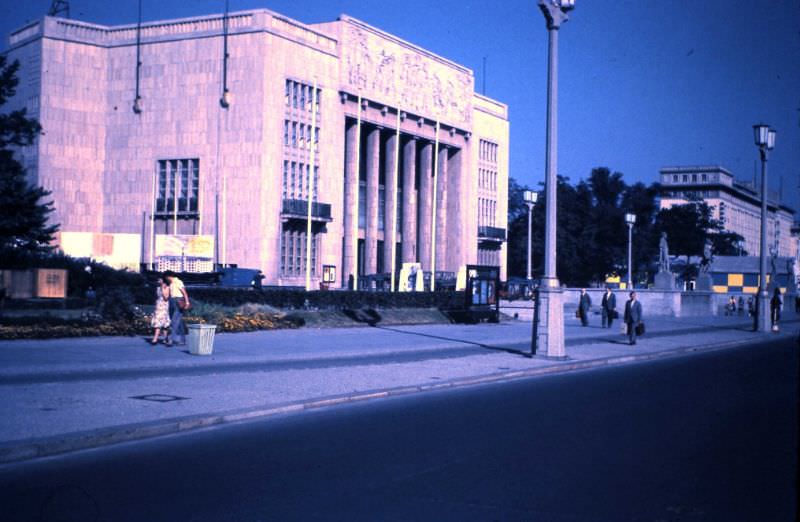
201,338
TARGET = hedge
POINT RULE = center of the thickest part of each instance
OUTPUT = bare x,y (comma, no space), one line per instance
328,300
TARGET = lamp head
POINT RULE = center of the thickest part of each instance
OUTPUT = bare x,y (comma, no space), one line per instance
630,219
761,134
771,139
530,196
566,5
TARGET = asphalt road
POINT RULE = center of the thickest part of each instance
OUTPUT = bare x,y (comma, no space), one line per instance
704,437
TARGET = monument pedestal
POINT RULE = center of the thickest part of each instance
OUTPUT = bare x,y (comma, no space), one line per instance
664,281
704,283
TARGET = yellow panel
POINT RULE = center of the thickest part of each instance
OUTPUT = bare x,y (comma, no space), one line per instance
720,289
735,279
622,286
612,279
750,290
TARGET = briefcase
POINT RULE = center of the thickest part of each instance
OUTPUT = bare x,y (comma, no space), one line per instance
578,313
640,329
614,314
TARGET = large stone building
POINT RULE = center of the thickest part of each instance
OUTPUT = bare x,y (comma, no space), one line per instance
736,204
225,127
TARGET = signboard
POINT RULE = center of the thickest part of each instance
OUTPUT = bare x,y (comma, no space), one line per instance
411,278
482,286
328,274
114,250
184,253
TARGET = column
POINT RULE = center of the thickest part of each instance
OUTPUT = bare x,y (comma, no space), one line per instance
390,219
441,211
410,201
373,170
425,205
350,202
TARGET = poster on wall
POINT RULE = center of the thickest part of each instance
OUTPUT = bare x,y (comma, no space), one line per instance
115,250
184,253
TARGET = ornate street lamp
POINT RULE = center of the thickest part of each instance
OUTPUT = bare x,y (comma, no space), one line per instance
530,198
630,220
765,141
549,335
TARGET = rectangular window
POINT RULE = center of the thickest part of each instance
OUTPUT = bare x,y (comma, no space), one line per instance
303,89
293,184
362,205
381,208
178,186
285,191
288,94
294,134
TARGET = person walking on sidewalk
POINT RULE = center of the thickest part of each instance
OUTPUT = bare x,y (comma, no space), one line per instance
160,321
178,302
633,316
775,305
609,307
583,307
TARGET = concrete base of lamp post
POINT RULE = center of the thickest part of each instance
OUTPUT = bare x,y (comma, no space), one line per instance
550,327
764,321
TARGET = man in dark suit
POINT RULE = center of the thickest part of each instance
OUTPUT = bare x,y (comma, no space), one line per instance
583,307
609,307
633,316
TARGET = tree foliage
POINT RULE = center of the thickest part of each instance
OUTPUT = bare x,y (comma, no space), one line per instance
23,213
593,237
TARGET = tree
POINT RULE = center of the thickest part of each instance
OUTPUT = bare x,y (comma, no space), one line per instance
23,213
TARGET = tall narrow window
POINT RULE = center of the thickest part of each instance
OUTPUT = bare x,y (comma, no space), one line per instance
177,187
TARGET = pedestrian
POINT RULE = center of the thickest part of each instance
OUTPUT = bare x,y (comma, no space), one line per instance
750,306
731,306
583,307
633,317
775,305
609,307
740,308
258,278
797,303
178,303
161,321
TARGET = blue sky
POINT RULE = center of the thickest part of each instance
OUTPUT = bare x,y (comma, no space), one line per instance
642,84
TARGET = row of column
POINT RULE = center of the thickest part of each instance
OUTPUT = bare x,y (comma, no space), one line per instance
416,204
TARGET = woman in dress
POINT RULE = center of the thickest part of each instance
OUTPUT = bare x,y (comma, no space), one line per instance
160,321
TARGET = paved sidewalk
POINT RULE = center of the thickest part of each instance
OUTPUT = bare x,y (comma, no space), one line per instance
62,395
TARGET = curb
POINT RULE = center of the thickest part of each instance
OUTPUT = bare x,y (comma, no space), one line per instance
38,448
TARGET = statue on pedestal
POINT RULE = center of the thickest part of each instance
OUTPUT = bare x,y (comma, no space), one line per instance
704,281
663,256
664,279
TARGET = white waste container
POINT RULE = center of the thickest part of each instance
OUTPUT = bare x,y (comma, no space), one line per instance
201,338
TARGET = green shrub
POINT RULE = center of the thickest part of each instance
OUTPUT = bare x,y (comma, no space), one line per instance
290,299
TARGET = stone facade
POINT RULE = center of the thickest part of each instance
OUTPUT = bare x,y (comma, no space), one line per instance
736,204
396,132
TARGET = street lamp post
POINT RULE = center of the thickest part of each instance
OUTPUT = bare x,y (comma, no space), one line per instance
765,141
630,220
549,333
530,200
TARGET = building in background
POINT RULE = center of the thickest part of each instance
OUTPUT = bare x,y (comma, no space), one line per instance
155,130
737,205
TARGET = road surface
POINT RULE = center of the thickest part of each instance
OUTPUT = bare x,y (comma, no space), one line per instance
704,437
